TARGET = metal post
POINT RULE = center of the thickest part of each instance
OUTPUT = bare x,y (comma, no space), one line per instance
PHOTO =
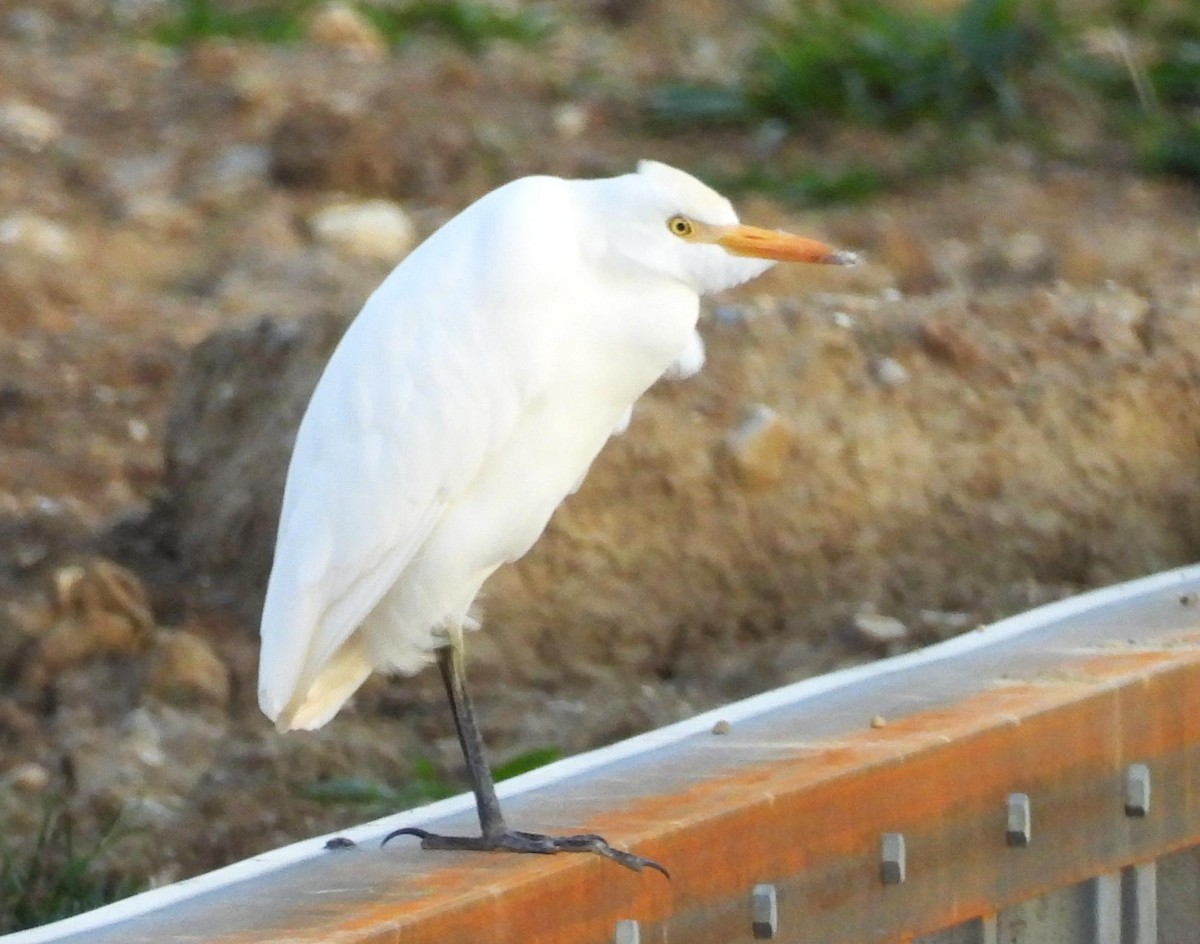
1139,904
1106,908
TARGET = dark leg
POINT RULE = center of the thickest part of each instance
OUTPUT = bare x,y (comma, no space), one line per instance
454,677
495,835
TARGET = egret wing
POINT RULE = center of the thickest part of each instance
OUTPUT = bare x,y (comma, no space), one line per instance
431,378
403,418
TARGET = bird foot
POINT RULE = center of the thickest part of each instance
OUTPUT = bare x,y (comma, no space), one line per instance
514,841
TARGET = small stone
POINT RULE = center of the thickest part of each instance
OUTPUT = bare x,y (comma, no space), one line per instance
570,121
186,670
378,230
721,727
759,447
1027,256
101,585
29,777
878,721
877,630
103,610
235,170
947,623
949,342
66,579
889,372
38,236
340,26
135,179
28,127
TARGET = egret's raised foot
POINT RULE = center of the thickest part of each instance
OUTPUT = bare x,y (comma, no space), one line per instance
514,841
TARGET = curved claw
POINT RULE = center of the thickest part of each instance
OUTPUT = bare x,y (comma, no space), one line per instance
421,834
627,859
637,863
590,842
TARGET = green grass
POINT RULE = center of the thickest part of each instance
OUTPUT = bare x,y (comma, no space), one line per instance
676,105
469,23
59,876
196,20
1170,146
523,763
885,65
1154,90
424,786
809,186
987,71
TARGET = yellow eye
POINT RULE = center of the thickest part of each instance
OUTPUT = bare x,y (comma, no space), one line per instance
680,225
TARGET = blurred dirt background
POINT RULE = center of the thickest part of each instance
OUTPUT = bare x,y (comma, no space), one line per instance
999,410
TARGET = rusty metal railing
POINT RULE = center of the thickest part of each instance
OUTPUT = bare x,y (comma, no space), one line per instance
1036,780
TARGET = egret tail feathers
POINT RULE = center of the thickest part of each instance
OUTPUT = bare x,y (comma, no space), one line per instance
316,703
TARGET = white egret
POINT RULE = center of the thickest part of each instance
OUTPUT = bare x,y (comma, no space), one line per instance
464,403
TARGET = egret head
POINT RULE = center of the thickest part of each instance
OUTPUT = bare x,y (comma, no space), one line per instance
669,222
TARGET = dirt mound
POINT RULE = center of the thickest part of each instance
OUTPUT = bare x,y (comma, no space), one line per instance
228,438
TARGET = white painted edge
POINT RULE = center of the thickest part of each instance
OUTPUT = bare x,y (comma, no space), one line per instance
255,866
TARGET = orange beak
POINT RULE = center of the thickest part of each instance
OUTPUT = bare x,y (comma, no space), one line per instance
782,247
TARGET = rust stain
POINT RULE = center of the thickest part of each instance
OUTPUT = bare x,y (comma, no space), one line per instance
816,812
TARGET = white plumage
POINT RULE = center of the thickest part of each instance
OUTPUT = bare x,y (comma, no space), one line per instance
468,398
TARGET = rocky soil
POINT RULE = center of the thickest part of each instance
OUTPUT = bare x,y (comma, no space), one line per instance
1000,409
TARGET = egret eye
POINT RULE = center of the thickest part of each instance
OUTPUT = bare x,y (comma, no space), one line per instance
680,225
